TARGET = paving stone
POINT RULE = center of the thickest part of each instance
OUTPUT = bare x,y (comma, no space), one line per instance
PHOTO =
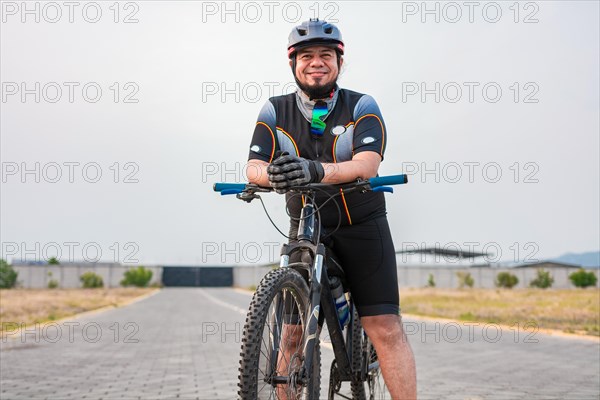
162,347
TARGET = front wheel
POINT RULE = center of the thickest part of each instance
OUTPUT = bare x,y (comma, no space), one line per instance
272,346
358,336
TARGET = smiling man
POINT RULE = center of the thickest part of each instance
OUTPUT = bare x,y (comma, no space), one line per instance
335,135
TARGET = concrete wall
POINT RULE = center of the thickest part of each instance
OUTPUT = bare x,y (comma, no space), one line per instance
484,277
67,275
248,276
444,277
36,276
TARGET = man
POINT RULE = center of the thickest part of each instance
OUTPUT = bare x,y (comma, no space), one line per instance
335,135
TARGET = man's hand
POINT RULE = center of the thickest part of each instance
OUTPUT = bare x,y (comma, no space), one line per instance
288,170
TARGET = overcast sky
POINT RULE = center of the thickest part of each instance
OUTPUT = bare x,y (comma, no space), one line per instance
500,103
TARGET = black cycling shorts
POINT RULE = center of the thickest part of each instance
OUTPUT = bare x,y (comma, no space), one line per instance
366,253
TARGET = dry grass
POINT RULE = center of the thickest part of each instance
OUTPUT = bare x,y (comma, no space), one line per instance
31,306
572,311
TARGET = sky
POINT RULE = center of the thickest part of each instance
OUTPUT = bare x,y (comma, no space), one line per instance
117,118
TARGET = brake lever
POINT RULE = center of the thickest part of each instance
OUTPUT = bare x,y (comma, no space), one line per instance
249,193
362,185
388,189
247,196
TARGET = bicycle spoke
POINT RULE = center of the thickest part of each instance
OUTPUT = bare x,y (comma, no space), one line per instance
377,387
274,333
273,325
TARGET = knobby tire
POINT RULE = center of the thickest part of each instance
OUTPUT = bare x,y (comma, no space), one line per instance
261,327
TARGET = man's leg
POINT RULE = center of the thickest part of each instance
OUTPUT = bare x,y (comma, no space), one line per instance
291,342
395,355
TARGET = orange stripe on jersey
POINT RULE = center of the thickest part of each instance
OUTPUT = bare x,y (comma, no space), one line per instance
272,137
333,148
382,130
346,206
292,139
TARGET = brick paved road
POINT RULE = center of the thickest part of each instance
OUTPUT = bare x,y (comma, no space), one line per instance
184,343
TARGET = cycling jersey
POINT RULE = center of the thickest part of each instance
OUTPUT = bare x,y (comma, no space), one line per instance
353,124
364,244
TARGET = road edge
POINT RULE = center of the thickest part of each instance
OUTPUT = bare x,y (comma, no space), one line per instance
14,335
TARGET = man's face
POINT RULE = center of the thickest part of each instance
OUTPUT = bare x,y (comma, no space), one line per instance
317,69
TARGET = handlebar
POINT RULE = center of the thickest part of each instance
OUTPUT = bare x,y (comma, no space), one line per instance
388,180
220,186
246,191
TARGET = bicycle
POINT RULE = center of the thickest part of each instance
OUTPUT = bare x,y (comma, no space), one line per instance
280,355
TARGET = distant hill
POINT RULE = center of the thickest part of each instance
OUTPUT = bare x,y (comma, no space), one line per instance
590,259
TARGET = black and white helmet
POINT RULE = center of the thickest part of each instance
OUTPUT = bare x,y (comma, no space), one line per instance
314,33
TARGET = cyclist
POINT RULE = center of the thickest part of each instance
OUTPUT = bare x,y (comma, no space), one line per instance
335,135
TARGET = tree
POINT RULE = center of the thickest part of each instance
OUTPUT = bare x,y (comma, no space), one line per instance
506,280
582,278
139,277
91,280
465,279
8,276
543,279
431,281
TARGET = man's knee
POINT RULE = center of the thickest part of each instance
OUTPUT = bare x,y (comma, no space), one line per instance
387,328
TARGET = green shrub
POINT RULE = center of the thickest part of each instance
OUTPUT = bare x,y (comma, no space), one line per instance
8,276
139,277
464,279
52,283
506,280
582,278
431,281
53,261
91,280
543,279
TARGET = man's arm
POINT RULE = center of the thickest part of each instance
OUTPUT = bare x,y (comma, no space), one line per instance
256,172
363,165
263,146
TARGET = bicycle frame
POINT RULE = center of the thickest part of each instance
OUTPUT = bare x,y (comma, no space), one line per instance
320,295
322,306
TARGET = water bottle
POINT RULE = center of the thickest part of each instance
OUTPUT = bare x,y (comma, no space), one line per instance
341,304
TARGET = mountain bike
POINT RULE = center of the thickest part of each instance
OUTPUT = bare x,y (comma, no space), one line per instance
280,354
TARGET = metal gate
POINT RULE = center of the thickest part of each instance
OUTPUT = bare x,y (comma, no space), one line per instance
197,276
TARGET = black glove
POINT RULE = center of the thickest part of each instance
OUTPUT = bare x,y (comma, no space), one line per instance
288,170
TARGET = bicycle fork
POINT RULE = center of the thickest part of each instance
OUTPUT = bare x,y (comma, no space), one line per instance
321,302
312,327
